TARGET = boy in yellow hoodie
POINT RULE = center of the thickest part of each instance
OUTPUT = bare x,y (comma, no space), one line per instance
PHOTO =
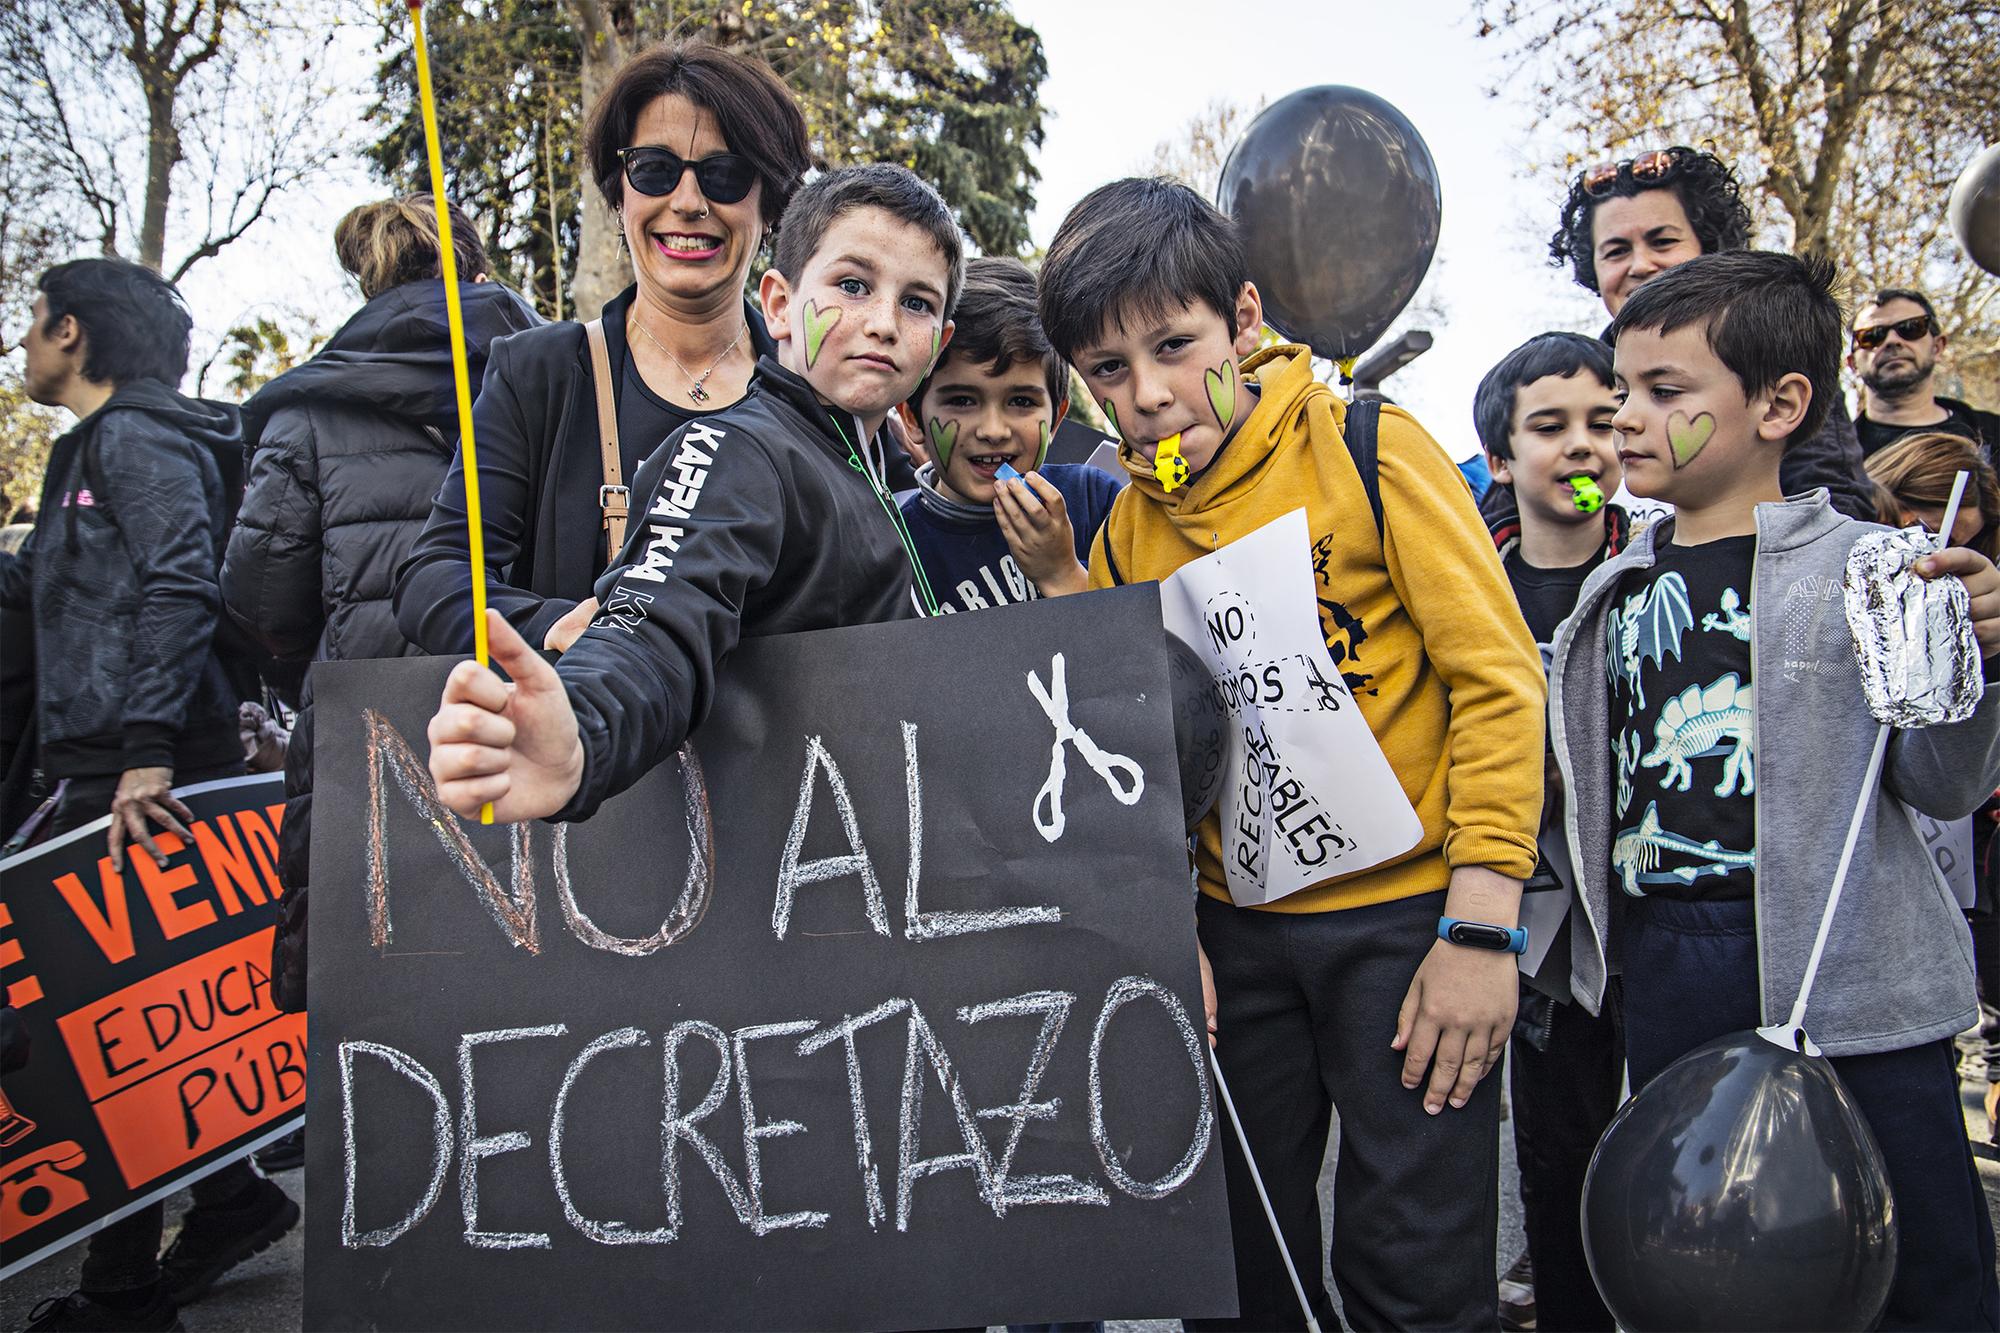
1145,291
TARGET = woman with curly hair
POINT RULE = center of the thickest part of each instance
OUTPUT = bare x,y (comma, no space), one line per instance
1624,223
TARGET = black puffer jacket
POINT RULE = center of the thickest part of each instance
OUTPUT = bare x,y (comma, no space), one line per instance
347,452
120,576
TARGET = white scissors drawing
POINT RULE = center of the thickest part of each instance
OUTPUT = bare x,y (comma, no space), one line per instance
1049,818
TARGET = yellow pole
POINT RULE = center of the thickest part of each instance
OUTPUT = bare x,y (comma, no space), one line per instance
460,372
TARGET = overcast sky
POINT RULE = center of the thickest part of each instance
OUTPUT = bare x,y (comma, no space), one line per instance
1123,77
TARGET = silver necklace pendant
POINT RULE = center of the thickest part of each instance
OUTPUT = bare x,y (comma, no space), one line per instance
699,394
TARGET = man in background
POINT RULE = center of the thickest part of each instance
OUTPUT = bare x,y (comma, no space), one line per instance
1895,350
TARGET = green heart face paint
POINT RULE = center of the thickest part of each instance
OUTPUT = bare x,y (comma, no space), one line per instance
937,346
1688,438
1042,454
943,436
1221,383
1111,416
818,324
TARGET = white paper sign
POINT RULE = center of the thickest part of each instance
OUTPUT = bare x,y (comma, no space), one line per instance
1950,848
1542,912
1643,513
1309,794
1105,459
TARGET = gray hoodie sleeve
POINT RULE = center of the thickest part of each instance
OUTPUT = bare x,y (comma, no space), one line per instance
1948,772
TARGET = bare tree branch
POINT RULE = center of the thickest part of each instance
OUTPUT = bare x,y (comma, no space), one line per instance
1847,120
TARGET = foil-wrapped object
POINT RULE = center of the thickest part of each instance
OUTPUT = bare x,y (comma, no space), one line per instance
1913,637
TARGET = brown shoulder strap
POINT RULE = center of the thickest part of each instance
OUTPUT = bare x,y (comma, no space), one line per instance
614,497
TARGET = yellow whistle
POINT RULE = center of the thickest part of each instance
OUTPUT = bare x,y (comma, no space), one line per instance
1168,463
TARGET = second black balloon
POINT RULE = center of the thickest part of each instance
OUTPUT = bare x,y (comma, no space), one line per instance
1339,203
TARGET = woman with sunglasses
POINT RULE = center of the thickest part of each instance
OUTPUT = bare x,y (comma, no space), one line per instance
1626,222
697,151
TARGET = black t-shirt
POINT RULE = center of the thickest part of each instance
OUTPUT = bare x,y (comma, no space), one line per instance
1547,596
1677,653
645,415
649,417
1879,435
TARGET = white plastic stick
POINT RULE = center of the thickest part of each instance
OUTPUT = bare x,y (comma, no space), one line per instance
1791,1034
1256,1178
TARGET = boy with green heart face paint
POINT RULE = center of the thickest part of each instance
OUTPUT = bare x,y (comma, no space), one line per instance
990,522
1712,732
735,511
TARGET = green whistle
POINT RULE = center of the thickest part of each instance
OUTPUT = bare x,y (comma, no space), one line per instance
1586,496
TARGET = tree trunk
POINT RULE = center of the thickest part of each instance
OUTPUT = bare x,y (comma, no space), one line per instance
610,36
163,151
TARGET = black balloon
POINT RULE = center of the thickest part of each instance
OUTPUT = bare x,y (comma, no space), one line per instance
1338,202
1974,210
1200,729
1740,1189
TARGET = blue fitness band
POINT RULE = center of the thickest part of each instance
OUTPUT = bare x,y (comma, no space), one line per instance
1480,935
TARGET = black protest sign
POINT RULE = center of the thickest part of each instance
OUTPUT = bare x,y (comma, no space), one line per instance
156,1055
875,1008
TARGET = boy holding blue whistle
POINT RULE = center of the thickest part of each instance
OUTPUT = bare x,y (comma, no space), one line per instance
990,524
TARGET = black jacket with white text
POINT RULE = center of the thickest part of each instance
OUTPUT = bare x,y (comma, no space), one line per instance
762,519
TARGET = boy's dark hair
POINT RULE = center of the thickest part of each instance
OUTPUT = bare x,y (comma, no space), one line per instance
1137,249
897,191
998,327
1766,316
757,115
1704,184
1545,354
135,325
1910,294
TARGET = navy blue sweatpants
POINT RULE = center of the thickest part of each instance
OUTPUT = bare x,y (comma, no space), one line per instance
1690,976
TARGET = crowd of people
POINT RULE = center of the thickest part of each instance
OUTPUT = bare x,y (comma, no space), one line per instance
866,439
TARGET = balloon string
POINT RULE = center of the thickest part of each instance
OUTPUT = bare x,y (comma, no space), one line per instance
1256,1178
1791,1034
460,372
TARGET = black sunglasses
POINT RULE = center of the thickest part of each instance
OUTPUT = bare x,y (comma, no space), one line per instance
724,178
1909,330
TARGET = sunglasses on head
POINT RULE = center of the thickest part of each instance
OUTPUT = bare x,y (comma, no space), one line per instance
1909,330
1654,168
724,178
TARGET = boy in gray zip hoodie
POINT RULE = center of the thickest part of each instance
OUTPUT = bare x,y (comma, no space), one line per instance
1705,819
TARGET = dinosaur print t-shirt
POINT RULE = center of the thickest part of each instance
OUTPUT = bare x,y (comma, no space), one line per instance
1677,652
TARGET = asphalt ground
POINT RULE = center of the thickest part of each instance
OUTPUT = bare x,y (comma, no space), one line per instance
268,1291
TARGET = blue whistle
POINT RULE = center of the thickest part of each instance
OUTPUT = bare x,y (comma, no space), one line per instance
1006,473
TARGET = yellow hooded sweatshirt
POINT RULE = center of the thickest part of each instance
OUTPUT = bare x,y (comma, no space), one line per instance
1422,622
